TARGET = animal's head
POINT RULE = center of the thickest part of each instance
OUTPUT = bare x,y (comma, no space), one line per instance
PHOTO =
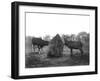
46,42
65,39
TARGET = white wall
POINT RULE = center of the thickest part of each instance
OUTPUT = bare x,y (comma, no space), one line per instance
5,41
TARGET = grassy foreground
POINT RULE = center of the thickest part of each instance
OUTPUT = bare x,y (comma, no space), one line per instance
33,60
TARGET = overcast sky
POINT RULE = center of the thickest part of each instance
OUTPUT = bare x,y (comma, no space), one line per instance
39,24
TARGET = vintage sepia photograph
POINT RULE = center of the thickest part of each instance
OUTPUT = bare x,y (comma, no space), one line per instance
56,39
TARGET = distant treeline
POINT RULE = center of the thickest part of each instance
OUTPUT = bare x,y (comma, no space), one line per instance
82,36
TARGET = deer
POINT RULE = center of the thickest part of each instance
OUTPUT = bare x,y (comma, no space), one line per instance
73,45
39,43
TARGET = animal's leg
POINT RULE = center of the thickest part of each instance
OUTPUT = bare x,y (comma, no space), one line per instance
39,49
33,48
71,52
81,51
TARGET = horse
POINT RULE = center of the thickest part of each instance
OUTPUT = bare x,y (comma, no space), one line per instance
74,45
39,43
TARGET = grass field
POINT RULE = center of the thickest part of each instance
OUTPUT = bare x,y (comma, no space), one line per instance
33,59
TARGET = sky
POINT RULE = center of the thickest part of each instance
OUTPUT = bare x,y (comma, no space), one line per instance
40,24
